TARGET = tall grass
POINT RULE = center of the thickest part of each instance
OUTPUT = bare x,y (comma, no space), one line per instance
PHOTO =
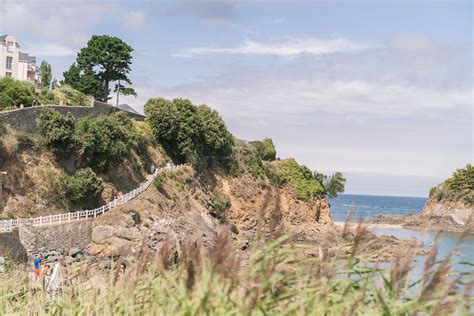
277,279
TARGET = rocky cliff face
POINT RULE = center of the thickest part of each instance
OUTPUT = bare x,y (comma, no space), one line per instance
448,216
182,208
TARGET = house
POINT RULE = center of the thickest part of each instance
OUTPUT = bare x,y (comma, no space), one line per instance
15,64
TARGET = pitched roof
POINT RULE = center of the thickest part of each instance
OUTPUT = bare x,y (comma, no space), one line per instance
126,107
2,38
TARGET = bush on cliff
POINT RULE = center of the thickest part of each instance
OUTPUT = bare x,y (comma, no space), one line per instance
458,188
189,133
266,149
300,178
83,188
58,132
13,93
105,141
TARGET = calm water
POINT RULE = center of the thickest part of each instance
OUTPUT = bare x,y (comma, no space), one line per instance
366,206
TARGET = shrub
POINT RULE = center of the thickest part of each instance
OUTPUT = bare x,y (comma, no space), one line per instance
105,141
58,132
219,204
159,181
83,188
67,95
301,179
266,149
245,159
13,93
190,133
459,187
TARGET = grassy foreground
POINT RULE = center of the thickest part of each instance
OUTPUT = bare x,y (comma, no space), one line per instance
278,279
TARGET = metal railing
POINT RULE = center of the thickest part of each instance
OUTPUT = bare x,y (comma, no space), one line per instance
10,224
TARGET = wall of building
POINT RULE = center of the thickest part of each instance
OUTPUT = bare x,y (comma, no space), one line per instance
25,119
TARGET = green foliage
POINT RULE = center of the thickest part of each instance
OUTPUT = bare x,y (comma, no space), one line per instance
300,178
190,133
73,96
58,132
160,181
45,74
333,185
103,60
13,93
459,187
266,149
83,188
105,141
245,159
219,204
84,81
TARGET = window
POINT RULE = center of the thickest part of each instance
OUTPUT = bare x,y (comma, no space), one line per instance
9,62
8,74
10,47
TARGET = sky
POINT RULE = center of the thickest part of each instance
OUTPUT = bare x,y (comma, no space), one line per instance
379,90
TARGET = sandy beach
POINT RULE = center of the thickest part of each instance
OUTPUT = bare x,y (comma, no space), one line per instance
370,225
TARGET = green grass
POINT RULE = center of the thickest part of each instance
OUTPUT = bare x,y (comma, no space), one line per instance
279,280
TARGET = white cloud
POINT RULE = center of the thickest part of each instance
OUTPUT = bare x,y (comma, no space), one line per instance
400,112
135,19
49,49
286,47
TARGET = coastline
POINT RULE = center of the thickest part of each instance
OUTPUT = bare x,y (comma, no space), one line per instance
353,225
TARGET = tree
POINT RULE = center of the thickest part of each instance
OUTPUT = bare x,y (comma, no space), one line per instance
335,184
266,149
120,89
107,59
85,80
189,133
45,73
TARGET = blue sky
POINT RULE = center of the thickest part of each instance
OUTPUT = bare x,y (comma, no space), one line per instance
380,90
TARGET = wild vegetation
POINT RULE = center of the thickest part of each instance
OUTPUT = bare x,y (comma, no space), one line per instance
190,133
14,93
278,280
459,187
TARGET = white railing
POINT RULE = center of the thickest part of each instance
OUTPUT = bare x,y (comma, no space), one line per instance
10,224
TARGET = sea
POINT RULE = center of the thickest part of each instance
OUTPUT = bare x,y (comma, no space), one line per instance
364,207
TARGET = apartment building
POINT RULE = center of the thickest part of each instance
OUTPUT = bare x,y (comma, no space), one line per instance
15,64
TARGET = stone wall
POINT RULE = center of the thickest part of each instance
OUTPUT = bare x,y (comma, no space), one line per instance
59,237
25,119
11,247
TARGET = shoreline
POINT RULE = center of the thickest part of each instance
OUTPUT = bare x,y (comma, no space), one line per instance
353,225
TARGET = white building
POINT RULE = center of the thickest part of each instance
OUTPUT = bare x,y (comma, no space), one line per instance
15,64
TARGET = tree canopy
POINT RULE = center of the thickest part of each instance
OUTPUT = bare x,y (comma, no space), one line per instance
189,133
13,93
104,59
45,73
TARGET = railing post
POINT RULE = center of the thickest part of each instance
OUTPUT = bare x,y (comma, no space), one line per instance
87,214
41,220
77,215
50,219
69,217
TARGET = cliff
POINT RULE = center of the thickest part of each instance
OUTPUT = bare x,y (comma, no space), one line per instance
450,206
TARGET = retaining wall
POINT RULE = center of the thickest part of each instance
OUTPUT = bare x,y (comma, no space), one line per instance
25,119
56,237
11,246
